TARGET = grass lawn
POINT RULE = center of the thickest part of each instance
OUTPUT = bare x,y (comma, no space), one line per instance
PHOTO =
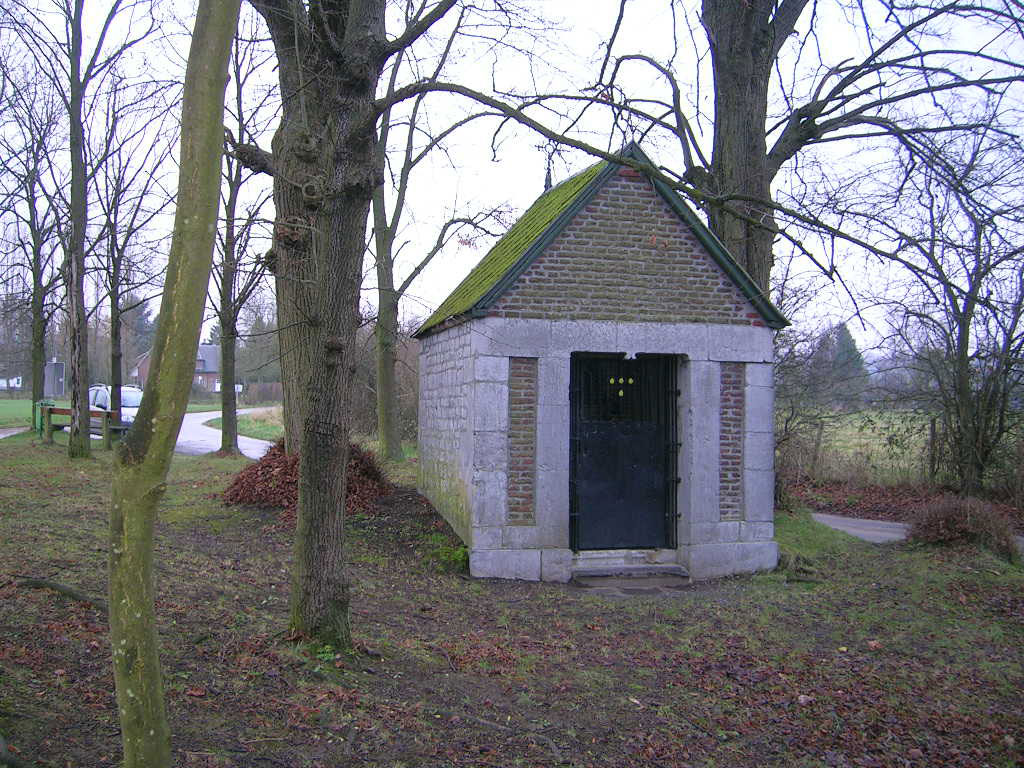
264,424
868,656
15,413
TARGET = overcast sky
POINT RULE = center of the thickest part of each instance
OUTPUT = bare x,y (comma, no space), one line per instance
565,58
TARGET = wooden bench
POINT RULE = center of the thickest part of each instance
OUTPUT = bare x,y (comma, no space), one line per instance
106,426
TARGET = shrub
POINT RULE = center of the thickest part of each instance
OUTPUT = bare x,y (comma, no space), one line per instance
952,519
449,557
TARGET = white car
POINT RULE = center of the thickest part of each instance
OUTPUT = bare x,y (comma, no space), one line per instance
131,397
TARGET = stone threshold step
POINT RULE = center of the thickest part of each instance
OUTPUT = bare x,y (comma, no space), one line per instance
628,570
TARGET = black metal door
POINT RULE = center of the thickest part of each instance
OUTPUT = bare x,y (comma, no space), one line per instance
623,470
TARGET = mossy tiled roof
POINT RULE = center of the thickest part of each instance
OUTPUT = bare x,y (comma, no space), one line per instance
551,212
512,246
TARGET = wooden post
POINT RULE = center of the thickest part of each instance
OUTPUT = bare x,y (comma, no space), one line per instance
106,430
47,424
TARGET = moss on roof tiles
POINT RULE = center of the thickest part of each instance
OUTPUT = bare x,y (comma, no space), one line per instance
512,246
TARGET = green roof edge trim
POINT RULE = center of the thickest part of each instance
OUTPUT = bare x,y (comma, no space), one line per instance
450,309
715,247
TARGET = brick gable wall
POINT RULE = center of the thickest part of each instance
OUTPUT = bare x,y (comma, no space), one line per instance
522,440
730,468
627,257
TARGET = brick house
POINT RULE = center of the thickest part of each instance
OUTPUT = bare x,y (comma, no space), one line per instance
596,395
205,378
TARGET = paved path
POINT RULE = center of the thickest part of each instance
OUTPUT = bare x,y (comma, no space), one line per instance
875,531
196,438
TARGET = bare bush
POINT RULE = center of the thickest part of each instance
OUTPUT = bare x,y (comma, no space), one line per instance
955,519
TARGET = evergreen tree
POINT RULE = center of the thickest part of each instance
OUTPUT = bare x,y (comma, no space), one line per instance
838,372
139,323
850,376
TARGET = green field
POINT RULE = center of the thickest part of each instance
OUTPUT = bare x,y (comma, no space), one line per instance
866,447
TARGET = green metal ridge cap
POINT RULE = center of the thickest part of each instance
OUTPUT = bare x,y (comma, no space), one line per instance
518,247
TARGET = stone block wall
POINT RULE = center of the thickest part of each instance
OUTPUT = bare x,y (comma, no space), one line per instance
445,425
520,467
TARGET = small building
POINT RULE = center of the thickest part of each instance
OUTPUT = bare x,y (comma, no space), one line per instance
597,394
205,378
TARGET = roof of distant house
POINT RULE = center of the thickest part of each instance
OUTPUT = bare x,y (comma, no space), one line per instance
210,355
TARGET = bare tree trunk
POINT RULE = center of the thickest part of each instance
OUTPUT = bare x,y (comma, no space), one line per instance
299,153
318,276
116,353
933,450
386,334
78,437
386,330
143,458
38,343
292,334
228,398
325,171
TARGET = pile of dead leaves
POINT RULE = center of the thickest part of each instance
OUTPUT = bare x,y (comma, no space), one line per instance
273,481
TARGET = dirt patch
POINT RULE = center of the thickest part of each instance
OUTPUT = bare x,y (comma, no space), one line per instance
895,503
920,668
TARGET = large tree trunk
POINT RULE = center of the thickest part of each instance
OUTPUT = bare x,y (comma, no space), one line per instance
742,54
325,172
144,457
78,434
318,287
